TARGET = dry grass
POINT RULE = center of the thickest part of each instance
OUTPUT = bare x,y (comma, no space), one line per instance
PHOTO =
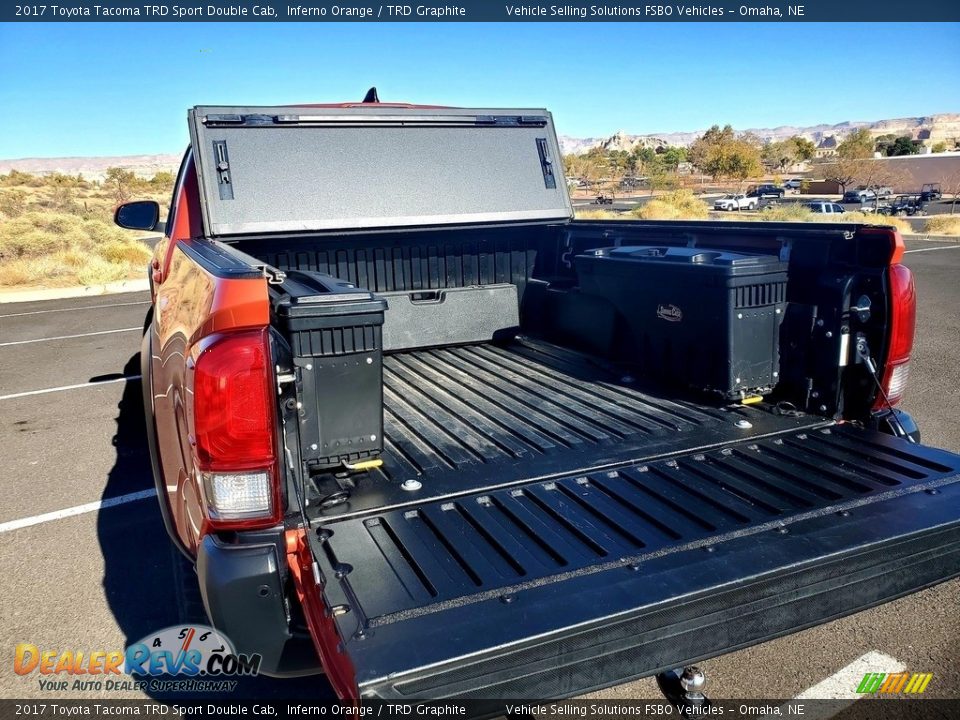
597,215
59,231
676,205
943,225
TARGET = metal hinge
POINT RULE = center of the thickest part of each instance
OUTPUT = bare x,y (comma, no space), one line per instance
273,276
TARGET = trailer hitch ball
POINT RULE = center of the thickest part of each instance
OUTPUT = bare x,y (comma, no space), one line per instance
692,681
683,688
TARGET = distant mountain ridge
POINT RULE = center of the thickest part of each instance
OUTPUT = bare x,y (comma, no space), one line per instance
943,126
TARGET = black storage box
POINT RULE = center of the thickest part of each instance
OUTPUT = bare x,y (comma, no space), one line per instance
705,319
334,330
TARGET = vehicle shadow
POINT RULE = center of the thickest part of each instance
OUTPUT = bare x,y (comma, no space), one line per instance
146,584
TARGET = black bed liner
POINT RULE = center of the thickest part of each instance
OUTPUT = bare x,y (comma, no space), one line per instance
462,419
552,588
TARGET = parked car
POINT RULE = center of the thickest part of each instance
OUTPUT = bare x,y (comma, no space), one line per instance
931,192
793,184
380,467
765,191
877,191
823,206
859,196
740,201
904,205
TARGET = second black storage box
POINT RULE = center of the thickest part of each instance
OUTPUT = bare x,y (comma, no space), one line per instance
705,319
335,332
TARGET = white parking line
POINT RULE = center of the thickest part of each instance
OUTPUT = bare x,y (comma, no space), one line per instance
83,307
69,387
842,686
69,337
77,510
944,247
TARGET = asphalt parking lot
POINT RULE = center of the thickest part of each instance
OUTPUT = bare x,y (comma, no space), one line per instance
83,571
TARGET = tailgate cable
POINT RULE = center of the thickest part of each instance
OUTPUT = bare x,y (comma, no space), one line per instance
863,355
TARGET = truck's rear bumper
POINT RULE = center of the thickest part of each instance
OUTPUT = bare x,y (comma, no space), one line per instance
478,597
242,593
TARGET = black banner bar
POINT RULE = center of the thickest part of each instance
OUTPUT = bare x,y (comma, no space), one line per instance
481,11
867,708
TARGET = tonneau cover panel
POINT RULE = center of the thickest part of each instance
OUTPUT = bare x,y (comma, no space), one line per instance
301,169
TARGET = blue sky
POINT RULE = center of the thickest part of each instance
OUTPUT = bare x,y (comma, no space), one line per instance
118,89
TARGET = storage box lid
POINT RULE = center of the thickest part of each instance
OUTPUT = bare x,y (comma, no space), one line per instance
730,262
312,294
302,168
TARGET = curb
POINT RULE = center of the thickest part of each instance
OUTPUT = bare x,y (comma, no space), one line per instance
35,294
931,238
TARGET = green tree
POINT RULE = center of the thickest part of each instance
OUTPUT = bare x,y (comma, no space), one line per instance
721,154
856,146
706,145
844,171
120,182
778,155
162,180
673,156
904,145
806,150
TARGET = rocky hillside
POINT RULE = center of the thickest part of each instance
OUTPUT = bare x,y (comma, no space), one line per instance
94,168
945,126
932,128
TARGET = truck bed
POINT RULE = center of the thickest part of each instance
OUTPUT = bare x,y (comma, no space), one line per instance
461,419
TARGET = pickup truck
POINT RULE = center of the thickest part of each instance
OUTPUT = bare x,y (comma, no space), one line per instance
417,426
740,201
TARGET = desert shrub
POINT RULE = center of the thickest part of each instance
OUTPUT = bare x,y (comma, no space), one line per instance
13,202
943,225
788,212
597,215
126,250
873,219
675,205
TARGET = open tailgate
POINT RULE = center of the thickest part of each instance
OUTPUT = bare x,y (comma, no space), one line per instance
301,169
552,588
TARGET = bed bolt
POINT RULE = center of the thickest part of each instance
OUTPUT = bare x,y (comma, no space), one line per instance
627,379
819,323
411,485
814,394
828,334
844,513
507,599
744,424
933,491
823,408
291,404
309,366
739,316
782,531
313,446
369,361
373,438
710,549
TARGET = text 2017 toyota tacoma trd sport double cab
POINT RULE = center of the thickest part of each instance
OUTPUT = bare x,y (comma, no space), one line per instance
405,412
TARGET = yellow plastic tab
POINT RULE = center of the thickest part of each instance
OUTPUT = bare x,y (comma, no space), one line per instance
752,399
365,465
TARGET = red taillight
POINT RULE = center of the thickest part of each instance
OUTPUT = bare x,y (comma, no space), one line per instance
232,425
903,321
